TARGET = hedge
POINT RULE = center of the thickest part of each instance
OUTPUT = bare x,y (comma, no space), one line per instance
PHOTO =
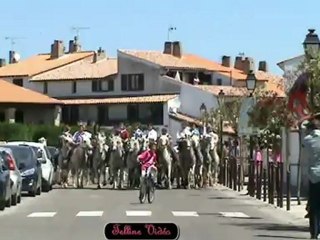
24,132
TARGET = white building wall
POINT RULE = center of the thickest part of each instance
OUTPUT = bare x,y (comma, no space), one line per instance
191,99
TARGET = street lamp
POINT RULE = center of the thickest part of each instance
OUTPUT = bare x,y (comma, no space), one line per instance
251,82
311,44
220,100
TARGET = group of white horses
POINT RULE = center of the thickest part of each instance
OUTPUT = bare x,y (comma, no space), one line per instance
101,160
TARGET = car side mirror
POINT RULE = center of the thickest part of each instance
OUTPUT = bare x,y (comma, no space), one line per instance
21,166
41,160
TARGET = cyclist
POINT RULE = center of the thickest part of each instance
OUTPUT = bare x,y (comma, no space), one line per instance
148,160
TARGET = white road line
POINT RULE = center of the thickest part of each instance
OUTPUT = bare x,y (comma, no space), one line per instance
90,214
234,214
42,214
185,214
138,213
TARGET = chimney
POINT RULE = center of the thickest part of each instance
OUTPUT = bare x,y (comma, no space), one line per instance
57,49
168,48
177,49
98,55
71,46
2,62
248,64
76,44
238,63
263,66
226,61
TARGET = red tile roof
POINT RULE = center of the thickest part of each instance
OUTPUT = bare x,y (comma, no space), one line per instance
194,62
41,63
10,93
120,100
83,69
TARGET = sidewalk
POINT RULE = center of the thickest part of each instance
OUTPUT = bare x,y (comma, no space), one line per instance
297,212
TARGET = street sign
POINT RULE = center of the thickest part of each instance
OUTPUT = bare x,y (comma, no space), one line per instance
243,124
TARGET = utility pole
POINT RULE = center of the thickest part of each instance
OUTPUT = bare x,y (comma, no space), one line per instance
77,30
13,41
170,30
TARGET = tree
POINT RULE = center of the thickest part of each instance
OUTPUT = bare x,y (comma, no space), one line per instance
269,115
229,111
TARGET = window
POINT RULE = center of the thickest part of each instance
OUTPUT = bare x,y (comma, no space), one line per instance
133,113
45,87
18,81
132,82
103,115
102,85
219,81
74,87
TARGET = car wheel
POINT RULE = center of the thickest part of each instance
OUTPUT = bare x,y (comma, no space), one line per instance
8,202
39,190
2,205
46,187
14,199
19,198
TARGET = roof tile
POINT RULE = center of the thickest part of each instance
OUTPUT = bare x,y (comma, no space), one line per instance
40,63
120,100
10,93
83,69
191,61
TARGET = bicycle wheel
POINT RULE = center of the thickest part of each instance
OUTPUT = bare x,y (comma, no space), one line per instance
142,193
151,191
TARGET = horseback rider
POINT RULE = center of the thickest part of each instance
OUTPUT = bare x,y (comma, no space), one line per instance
164,132
194,130
78,136
138,133
67,131
124,133
148,160
185,131
152,133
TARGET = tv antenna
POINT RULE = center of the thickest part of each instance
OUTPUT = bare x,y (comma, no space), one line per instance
170,30
13,41
78,29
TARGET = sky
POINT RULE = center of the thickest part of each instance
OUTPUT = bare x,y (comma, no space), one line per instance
270,30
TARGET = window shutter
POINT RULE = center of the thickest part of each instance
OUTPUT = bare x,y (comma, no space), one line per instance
94,86
141,82
124,82
111,85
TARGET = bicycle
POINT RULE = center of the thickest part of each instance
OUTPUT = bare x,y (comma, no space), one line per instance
147,189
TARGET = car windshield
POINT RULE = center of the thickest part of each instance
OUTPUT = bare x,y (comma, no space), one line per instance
22,155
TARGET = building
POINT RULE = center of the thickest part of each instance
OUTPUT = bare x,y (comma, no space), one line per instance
137,86
18,104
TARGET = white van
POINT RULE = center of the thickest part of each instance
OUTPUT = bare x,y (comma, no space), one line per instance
46,164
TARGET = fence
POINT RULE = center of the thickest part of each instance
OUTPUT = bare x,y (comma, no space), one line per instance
264,182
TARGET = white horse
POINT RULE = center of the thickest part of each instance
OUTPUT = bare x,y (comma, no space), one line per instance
132,164
79,160
198,168
165,160
66,143
213,171
117,161
43,141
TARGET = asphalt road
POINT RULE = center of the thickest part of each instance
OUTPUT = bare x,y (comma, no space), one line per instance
201,214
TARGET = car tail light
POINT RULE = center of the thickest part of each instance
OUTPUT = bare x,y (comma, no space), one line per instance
10,162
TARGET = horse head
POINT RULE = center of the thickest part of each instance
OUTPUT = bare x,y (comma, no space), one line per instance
185,143
116,143
144,143
163,142
43,141
134,145
195,139
86,142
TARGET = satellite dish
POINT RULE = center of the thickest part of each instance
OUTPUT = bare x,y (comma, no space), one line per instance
16,57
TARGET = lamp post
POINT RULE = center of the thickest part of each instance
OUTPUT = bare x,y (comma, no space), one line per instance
251,82
311,46
220,102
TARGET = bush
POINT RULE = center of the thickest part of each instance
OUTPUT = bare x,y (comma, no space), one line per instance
23,132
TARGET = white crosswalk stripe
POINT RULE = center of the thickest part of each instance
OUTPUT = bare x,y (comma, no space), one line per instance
185,214
138,213
42,214
234,215
90,214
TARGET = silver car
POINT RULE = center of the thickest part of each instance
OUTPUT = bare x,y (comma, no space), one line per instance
15,175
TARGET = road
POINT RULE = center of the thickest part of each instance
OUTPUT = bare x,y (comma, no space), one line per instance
68,214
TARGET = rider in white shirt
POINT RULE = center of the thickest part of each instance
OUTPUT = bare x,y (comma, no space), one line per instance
185,131
208,133
152,134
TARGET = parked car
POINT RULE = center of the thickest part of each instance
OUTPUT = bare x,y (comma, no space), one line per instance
45,158
15,175
5,184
